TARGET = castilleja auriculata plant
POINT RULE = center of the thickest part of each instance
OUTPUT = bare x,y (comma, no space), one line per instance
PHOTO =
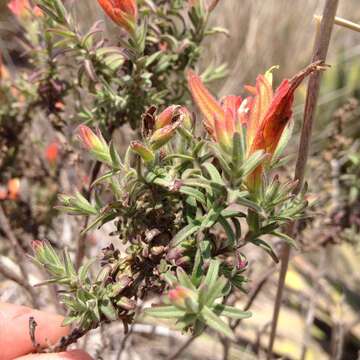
184,206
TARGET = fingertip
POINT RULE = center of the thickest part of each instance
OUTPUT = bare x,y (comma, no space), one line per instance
14,329
68,355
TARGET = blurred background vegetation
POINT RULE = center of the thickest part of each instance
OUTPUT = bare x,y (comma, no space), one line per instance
321,317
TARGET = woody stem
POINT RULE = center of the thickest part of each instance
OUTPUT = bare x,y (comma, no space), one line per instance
320,52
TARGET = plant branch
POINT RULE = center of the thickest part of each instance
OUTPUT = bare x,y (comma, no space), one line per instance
178,352
313,302
81,249
255,291
9,274
19,253
320,52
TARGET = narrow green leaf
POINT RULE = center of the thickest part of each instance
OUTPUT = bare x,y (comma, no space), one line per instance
165,312
213,172
184,233
212,273
287,238
84,270
256,159
231,312
108,309
198,195
178,156
284,139
69,267
184,279
115,157
213,321
265,246
231,239
104,177
197,272
238,151
215,291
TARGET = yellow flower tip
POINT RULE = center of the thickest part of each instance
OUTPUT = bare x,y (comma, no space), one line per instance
139,148
88,138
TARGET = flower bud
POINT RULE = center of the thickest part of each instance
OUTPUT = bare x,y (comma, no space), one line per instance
123,12
178,296
186,118
38,248
95,143
88,138
241,262
42,252
161,136
166,117
139,148
36,245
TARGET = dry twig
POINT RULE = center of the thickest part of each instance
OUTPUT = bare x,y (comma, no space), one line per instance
320,53
178,352
9,274
20,255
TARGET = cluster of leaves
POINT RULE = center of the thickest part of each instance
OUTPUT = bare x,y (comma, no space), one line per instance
171,211
73,75
182,205
143,68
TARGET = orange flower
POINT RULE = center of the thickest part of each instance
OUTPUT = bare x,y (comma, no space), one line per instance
264,114
122,12
52,153
13,188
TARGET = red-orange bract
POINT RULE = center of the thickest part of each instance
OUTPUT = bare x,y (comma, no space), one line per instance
122,12
264,114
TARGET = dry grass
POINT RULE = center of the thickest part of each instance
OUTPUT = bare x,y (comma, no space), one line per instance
272,32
